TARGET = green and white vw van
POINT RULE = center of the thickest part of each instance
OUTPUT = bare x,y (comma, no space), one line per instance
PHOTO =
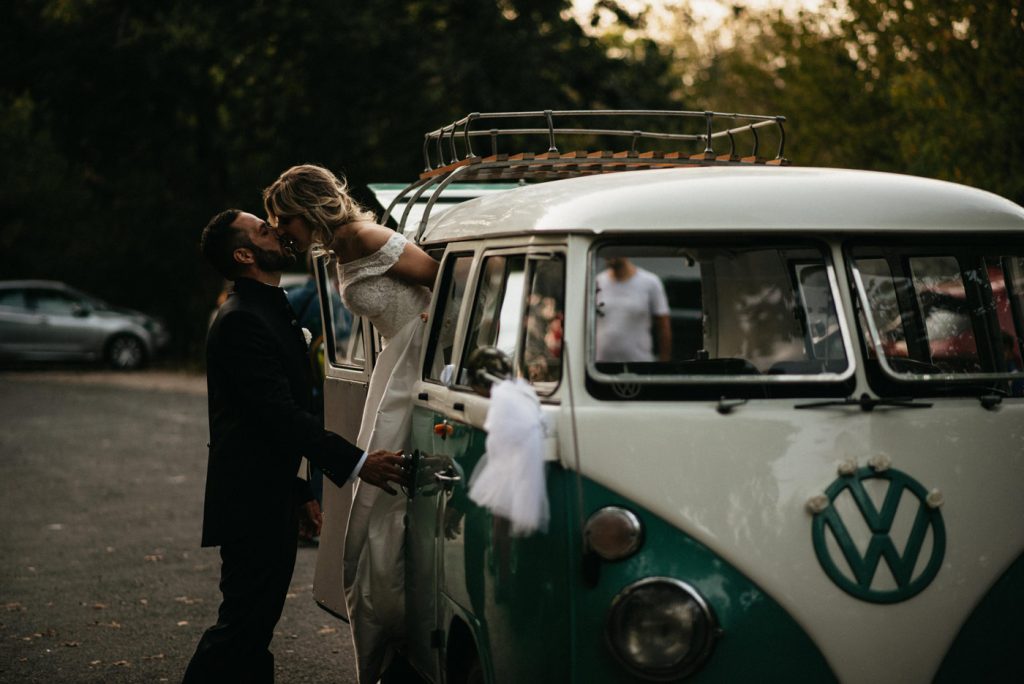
816,475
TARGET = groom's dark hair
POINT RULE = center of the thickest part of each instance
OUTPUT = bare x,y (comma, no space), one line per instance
219,242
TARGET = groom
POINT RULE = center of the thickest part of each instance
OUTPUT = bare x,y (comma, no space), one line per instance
261,424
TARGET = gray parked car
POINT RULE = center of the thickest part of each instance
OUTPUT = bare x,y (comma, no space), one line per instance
44,320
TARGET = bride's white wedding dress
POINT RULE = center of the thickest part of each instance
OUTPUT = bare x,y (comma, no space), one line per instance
374,574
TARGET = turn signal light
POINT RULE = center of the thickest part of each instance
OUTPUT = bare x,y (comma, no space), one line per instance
613,533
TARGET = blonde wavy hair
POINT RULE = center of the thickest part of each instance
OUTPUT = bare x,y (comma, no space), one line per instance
318,196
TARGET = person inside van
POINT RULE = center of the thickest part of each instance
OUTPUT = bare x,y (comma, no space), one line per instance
631,301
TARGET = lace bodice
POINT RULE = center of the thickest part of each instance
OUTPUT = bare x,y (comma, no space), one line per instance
367,291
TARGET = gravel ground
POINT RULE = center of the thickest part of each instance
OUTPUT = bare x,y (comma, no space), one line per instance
101,575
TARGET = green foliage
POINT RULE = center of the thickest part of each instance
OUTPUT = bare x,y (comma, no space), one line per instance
127,124
929,87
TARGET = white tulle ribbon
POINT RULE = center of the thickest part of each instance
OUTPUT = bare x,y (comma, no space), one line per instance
509,480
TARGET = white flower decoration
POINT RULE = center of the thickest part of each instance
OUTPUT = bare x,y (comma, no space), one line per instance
880,463
817,503
847,468
308,335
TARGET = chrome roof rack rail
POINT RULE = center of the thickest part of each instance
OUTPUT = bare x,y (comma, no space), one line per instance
453,145
449,153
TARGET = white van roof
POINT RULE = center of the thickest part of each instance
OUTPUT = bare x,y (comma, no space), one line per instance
731,198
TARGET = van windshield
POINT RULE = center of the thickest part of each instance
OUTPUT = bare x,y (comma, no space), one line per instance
942,313
701,312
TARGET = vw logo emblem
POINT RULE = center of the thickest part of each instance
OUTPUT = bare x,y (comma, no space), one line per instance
856,570
626,390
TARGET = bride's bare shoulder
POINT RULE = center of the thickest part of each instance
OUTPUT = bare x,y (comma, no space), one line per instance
361,238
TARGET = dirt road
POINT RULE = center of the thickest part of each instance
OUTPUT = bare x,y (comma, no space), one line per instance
101,575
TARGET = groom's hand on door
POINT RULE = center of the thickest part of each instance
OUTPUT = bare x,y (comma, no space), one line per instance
382,467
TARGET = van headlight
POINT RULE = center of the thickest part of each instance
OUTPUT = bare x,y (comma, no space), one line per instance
660,628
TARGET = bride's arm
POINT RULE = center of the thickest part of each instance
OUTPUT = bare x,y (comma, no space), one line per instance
413,266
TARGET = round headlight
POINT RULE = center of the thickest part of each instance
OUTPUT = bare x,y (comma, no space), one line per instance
613,533
660,628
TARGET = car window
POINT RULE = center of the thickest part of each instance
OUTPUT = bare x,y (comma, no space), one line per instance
880,290
943,310
13,299
942,300
497,309
715,310
344,335
519,309
54,303
444,320
541,353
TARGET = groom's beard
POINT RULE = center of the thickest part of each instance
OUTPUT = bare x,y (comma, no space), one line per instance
272,262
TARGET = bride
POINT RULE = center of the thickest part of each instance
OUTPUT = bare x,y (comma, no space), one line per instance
386,279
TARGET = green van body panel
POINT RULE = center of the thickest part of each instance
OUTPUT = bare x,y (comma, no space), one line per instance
759,641
988,646
541,620
515,588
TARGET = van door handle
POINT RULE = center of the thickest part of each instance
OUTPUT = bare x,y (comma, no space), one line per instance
447,479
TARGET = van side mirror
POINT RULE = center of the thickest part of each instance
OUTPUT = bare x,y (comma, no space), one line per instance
486,366
80,310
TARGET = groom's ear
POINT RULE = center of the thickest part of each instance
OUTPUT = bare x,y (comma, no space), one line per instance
243,255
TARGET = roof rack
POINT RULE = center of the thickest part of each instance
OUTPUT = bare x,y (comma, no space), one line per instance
449,152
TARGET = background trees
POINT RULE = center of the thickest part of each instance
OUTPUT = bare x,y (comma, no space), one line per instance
927,87
125,125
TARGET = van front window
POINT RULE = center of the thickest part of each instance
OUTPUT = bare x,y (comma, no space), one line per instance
704,313
944,313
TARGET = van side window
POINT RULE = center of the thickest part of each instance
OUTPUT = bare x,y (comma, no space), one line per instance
541,359
498,308
343,338
519,309
444,320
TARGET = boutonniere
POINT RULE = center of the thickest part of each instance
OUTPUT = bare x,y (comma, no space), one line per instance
307,335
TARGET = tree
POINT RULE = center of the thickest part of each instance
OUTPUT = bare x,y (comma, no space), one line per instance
928,87
128,124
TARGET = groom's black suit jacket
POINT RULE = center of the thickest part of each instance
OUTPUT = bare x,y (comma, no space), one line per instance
260,389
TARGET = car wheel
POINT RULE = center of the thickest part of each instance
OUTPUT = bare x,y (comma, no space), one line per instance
126,352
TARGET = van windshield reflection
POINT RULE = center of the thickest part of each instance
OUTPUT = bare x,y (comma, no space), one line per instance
757,312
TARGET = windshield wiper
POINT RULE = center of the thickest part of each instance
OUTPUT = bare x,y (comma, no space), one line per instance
992,398
990,401
868,403
727,405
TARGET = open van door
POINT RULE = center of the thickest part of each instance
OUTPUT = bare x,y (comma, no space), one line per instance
348,361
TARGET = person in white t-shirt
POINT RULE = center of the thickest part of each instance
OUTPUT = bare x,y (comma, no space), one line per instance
631,299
